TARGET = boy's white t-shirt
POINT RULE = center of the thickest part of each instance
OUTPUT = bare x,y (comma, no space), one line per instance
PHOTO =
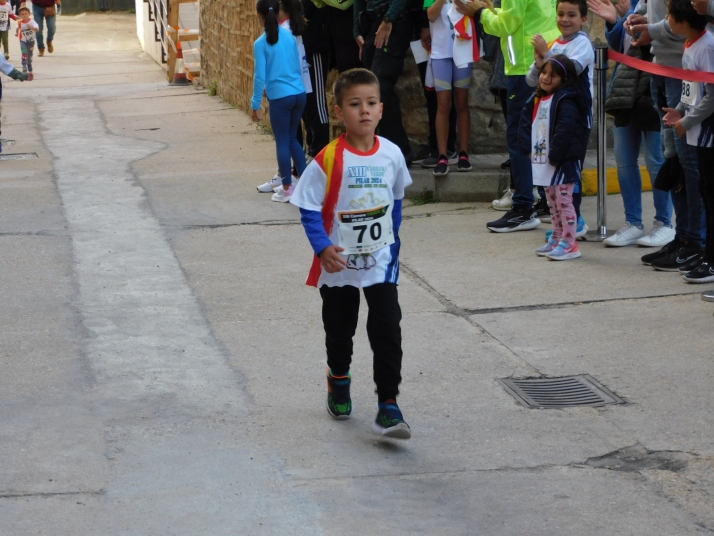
579,49
698,56
362,223
26,30
543,171
5,10
442,35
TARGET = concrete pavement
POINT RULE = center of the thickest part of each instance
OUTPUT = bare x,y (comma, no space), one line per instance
163,365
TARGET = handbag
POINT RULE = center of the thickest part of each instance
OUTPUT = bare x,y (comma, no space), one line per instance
50,11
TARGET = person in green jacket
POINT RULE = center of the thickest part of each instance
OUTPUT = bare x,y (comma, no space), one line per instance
515,23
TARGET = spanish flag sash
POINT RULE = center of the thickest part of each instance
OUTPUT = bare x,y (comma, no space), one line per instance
330,159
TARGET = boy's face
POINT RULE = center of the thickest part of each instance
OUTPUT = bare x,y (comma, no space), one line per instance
361,110
25,15
570,21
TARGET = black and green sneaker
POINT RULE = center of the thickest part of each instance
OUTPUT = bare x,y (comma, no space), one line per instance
389,421
339,403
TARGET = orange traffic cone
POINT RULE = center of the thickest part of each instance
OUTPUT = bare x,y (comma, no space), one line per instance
179,69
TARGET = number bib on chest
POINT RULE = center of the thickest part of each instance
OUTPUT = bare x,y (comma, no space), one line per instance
365,231
28,35
3,17
690,92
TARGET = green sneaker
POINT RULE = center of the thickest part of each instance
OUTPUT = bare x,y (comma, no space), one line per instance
389,421
339,403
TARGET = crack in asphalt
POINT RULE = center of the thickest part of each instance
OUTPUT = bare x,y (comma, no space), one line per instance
51,494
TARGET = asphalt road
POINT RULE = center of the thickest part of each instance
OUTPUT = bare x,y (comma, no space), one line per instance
162,362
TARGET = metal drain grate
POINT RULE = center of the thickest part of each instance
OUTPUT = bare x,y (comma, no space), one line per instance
565,392
18,156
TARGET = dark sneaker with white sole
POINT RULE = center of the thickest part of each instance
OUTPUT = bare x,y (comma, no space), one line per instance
464,164
542,211
704,273
674,245
671,263
515,220
686,268
339,403
442,166
390,422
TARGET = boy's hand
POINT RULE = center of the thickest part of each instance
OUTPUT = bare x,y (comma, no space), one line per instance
605,9
360,43
30,77
673,118
541,47
700,6
256,115
331,260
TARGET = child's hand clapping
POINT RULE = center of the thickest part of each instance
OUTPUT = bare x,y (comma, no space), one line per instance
540,49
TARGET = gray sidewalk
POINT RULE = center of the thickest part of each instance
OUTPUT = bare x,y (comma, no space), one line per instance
163,362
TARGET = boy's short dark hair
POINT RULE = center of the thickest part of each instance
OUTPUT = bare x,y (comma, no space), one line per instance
351,78
683,11
24,8
582,6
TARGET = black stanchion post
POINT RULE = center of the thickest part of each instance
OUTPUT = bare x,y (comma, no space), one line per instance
600,93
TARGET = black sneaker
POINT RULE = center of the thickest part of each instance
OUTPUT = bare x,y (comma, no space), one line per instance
704,273
506,164
442,166
516,219
674,260
542,211
390,422
421,154
433,158
464,164
674,245
691,265
339,403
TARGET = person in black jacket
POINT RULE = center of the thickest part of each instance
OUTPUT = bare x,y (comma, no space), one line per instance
554,131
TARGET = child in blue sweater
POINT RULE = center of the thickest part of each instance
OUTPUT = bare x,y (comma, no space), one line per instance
278,71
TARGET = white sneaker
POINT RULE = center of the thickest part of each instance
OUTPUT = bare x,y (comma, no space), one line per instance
627,235
282,196
536,195
505,203
267,187
658,236
293,180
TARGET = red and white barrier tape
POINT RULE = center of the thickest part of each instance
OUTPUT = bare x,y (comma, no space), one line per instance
661,70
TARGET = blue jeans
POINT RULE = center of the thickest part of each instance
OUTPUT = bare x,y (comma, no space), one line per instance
627,151
38,14
688,206
521,173
285,116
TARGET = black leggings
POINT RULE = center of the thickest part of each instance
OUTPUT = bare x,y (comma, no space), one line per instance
340,309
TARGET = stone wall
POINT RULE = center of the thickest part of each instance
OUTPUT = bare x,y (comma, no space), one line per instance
229,28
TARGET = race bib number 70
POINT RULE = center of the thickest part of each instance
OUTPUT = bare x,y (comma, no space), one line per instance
366,231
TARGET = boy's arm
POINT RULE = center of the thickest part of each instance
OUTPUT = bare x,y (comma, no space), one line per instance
314,227
433,9
662,32
358,7
699,113
533,76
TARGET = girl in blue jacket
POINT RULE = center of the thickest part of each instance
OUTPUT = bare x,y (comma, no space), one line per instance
278,71
554,131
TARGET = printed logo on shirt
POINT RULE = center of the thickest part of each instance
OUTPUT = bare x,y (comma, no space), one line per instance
366,177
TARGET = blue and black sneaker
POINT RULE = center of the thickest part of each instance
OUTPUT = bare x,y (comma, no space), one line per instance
389,421
339,403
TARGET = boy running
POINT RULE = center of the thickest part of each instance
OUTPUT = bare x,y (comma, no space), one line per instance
350,200
6,14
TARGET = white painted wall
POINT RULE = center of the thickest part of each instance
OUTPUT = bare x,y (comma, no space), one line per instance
145,31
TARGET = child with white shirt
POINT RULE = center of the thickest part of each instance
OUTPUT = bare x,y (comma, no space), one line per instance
26,30
6,13
694,117
449,80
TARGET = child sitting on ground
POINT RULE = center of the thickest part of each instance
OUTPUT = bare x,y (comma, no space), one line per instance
26,29
554,131
694,117
350,199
